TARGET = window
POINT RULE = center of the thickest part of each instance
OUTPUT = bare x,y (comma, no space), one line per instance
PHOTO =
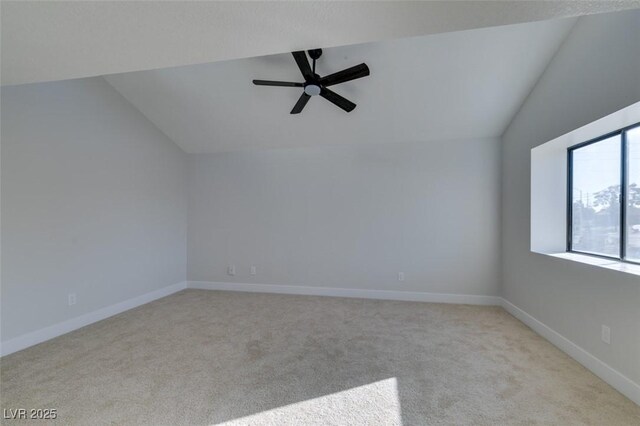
604,196
633,195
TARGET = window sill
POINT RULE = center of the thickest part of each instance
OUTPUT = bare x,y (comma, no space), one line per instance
628,268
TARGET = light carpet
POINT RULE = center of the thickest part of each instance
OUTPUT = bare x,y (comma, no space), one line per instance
203,357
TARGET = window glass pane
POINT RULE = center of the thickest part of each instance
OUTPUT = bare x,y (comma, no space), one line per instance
596,198
633,195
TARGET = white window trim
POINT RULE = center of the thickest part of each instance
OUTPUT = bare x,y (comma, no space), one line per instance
615,265
549,191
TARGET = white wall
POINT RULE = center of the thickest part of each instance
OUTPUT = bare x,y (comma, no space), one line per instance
350,216
93,202
596,72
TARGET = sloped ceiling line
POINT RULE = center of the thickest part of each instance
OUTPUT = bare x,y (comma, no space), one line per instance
533,86
57,40
457,85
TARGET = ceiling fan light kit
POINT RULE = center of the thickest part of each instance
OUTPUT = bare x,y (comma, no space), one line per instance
315,85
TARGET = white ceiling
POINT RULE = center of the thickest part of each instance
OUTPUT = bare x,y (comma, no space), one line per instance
56,40
456,85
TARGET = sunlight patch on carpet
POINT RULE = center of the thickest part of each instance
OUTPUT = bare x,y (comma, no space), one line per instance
374,403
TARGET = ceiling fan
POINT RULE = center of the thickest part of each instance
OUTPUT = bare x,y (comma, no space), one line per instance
315,85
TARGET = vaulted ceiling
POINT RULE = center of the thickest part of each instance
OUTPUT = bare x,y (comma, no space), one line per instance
57,40
439,69
457,85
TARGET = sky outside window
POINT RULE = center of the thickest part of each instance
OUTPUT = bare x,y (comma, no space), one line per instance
595,195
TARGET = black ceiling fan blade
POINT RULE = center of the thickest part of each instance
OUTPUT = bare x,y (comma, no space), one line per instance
297,109
277,83
352,73
336,99
303,63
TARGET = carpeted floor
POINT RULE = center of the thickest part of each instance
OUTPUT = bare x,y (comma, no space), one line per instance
203,357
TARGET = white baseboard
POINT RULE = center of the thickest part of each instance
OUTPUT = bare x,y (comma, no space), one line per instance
47,333
617,380
408,296
613,377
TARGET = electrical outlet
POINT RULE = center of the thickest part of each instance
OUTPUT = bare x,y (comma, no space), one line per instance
253,270
231,269
72,299
606,334
400,276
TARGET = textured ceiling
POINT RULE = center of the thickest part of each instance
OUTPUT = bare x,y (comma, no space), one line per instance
457,85
56,40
